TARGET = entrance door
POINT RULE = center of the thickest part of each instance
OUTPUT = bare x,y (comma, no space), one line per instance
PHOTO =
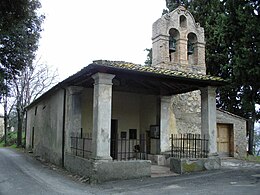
113,146
225,139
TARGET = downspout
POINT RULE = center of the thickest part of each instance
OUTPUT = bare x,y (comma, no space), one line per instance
63,126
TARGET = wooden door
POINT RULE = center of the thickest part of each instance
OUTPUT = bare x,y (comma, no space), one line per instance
224,139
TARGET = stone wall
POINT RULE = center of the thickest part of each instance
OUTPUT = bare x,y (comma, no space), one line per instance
180,25
187,110
98,171
185,165
239,129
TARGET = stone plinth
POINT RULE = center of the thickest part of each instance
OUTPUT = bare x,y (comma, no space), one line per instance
97,171
184,165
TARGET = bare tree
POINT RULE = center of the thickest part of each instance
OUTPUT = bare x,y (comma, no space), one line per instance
29,85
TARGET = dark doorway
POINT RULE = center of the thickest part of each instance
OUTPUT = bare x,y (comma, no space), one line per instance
33,138
113,146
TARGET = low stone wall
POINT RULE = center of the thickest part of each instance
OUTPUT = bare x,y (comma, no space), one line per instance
184,165
99,170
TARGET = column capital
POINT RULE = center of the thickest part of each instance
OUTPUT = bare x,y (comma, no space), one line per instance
166,99
75,90
103,78
208,90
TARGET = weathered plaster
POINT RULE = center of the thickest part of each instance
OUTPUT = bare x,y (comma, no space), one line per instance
102,110
167,124
46,120
208,117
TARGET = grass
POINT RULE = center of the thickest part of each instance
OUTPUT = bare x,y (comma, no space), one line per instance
2,144
253,158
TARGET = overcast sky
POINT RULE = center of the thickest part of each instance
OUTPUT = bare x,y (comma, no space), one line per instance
80,31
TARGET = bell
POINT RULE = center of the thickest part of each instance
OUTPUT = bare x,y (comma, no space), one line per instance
190,48
172,44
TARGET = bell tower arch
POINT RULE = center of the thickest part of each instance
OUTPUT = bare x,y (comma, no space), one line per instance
178,42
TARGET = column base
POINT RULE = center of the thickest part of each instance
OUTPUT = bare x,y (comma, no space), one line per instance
213,155
102,158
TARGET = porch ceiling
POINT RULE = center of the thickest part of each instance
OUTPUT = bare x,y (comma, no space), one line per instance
138,79
146,80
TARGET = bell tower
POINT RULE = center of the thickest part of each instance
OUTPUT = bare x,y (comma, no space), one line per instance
178,42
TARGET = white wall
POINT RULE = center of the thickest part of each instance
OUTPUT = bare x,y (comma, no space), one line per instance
47,122
133,111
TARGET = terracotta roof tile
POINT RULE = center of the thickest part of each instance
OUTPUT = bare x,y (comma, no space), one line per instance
156,70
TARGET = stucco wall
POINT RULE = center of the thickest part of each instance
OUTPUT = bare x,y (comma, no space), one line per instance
47,121
239,129
100,171
133,111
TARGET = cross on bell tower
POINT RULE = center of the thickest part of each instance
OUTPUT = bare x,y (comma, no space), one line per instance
178,42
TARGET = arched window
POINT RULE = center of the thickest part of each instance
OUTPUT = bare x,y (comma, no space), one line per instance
174,36
183,21
192,48
192,40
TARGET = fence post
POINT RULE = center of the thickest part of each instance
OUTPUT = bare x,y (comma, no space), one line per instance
171,145
76,146
195,145
81,132
83,139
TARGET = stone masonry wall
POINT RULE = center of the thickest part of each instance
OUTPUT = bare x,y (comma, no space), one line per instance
239,129
187,110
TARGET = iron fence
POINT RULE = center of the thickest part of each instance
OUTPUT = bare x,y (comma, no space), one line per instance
120,149
81,144
189,146
129,149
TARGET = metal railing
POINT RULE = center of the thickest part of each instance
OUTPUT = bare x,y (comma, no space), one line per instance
189,146
81,144
121,149
129,149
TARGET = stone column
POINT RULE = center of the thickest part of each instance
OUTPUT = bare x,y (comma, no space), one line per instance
208,118
73,113
102,109
165,123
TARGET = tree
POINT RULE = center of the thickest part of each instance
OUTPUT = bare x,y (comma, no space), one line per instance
148,61
232,34
20,27
29,85
257,139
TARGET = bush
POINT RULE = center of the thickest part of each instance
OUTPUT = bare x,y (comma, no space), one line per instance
10,139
